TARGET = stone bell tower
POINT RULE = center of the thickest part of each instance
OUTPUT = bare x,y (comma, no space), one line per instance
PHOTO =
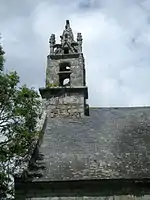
65,93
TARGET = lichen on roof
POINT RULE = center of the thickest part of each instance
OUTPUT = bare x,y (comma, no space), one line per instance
111,143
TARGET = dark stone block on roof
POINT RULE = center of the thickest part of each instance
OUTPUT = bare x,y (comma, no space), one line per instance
112,143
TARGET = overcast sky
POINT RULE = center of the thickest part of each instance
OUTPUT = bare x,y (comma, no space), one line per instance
116,44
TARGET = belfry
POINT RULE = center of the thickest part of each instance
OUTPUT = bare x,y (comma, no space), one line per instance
66,90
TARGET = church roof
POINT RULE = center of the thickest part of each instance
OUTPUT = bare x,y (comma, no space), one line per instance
111,143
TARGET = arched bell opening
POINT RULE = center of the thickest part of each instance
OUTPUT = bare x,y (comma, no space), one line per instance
64,74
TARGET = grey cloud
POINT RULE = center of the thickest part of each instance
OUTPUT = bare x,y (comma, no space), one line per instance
89,4
23,50
116,44
16,8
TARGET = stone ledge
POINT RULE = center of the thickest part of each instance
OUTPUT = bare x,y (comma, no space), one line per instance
88,188
57,91
63,56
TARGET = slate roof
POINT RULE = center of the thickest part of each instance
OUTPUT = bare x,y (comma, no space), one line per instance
111,143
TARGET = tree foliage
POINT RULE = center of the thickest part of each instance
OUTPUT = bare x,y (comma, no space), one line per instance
19,110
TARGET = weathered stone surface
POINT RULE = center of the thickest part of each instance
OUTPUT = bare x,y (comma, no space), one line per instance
77,71
123,197
73,56
111,143
72,105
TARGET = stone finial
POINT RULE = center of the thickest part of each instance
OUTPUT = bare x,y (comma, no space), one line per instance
79,37
79,40
67,24
52,39
52,42
67,35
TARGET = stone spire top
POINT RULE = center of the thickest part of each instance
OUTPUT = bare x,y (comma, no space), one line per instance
67,35
68,46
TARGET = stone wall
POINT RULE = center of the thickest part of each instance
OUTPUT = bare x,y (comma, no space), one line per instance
123,197
71,105
77,71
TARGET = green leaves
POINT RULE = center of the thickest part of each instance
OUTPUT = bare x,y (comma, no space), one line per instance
19,110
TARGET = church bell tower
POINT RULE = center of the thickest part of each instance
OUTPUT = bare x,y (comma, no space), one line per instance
65,92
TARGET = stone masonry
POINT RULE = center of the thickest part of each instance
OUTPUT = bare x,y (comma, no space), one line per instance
65,63
65,105
77,70
122,197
